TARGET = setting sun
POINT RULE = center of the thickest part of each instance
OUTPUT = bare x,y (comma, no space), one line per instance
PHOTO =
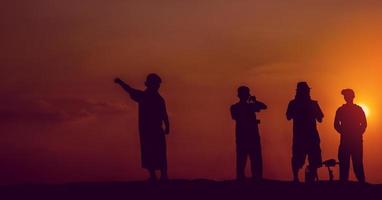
365,109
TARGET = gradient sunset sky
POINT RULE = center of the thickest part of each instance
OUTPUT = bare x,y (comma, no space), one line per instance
62,118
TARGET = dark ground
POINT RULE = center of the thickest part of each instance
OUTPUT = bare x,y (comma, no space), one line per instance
193,189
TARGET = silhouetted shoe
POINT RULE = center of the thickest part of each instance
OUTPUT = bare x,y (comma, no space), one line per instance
256,180
296,180
343,182
240,179
152,179
163,179
363,183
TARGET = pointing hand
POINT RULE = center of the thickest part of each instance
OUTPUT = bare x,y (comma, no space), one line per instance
118,81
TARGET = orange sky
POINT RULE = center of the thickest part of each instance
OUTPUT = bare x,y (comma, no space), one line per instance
62,119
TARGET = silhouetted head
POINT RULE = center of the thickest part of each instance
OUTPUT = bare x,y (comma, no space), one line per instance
303,90
153,81
243,93
348,95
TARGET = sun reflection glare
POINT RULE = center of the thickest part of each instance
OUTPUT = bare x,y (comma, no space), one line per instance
365,109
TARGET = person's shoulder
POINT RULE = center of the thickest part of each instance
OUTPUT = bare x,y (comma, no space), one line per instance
358,107
159,96
292,104
293,101
341,108
314,101
234,106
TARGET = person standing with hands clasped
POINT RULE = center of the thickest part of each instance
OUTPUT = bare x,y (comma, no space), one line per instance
350,122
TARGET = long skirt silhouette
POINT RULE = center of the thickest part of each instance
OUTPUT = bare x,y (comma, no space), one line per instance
153,148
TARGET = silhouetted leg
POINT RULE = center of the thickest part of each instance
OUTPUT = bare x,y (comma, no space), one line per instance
161,157
357,159
315,174
295,173
152,175
315,161
298,159
241,159
256,161
163,171
344,158
311,175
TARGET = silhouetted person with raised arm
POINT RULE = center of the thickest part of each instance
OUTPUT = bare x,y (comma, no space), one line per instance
350,122
152,116
247,134
305,112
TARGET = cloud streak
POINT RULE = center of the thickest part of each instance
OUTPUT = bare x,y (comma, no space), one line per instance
56,109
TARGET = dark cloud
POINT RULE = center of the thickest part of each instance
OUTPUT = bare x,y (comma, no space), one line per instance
55,109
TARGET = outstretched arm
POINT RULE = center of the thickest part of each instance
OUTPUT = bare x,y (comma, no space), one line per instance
134,94
126,87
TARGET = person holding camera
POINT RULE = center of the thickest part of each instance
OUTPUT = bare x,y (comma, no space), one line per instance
305,114
247,134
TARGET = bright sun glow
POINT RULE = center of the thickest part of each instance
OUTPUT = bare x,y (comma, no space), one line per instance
365,109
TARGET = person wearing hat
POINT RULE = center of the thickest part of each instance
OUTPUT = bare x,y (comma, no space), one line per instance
247,134
152,117
305,112
350,122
